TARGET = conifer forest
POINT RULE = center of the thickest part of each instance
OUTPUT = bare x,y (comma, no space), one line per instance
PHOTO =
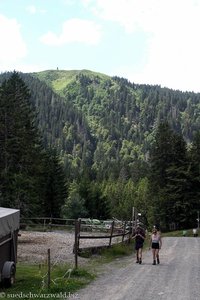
83,144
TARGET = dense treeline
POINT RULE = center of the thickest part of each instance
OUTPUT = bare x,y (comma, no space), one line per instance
174,186
28,173
121,145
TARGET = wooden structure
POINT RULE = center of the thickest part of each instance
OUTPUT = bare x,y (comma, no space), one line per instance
114,232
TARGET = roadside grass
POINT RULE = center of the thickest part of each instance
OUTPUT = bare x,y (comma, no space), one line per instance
117,250
178,233
31,282
108,254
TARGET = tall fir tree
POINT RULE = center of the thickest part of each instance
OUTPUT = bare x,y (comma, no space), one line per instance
194,171
54,183
169,178
161,156
20,148
177,189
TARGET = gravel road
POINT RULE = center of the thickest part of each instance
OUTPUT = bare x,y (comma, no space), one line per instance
177,277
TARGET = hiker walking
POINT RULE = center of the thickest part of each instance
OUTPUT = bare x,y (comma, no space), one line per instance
139,237
155,245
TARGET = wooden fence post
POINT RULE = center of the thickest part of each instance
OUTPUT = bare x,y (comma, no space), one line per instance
136,218
124,230
133,219
44,224
49,270
76,244
130,232
78,235
111,233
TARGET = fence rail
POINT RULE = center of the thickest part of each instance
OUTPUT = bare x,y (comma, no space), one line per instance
46,223
78,236
116,229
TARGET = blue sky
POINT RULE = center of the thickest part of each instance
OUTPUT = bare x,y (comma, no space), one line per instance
145,41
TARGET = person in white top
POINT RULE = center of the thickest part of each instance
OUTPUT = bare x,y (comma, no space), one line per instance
155,245
195,232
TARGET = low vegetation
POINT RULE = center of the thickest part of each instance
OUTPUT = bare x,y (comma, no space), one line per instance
32,282
179,233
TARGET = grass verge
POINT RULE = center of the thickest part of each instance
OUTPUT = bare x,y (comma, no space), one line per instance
179,233
32,282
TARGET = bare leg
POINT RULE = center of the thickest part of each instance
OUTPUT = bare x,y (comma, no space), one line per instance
157,256
154,256
137,256
140,255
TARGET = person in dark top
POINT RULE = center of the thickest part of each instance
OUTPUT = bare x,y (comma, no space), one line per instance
139,237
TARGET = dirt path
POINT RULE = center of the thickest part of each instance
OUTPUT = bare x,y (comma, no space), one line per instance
177,277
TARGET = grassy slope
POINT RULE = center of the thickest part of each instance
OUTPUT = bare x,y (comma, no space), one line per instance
59,79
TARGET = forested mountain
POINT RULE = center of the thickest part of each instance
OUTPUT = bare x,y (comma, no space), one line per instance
106,123
104,129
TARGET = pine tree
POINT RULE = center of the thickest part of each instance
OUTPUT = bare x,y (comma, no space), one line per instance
55,191
194,171
177,189
74,206
20,148
169,178
161,154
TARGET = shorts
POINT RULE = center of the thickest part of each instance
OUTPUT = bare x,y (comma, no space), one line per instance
155,246
138,246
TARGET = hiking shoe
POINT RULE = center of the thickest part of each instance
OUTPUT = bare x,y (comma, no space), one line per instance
154,262
140,261
158,260
137,261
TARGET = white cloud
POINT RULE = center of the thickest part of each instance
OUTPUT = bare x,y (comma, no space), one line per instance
69,2
21,67
31,9
86,2
74,30
13,46
172,53
127,13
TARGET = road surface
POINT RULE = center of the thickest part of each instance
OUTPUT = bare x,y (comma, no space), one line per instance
176,278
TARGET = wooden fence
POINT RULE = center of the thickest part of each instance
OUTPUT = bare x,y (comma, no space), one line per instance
46,223
113,232
123,231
